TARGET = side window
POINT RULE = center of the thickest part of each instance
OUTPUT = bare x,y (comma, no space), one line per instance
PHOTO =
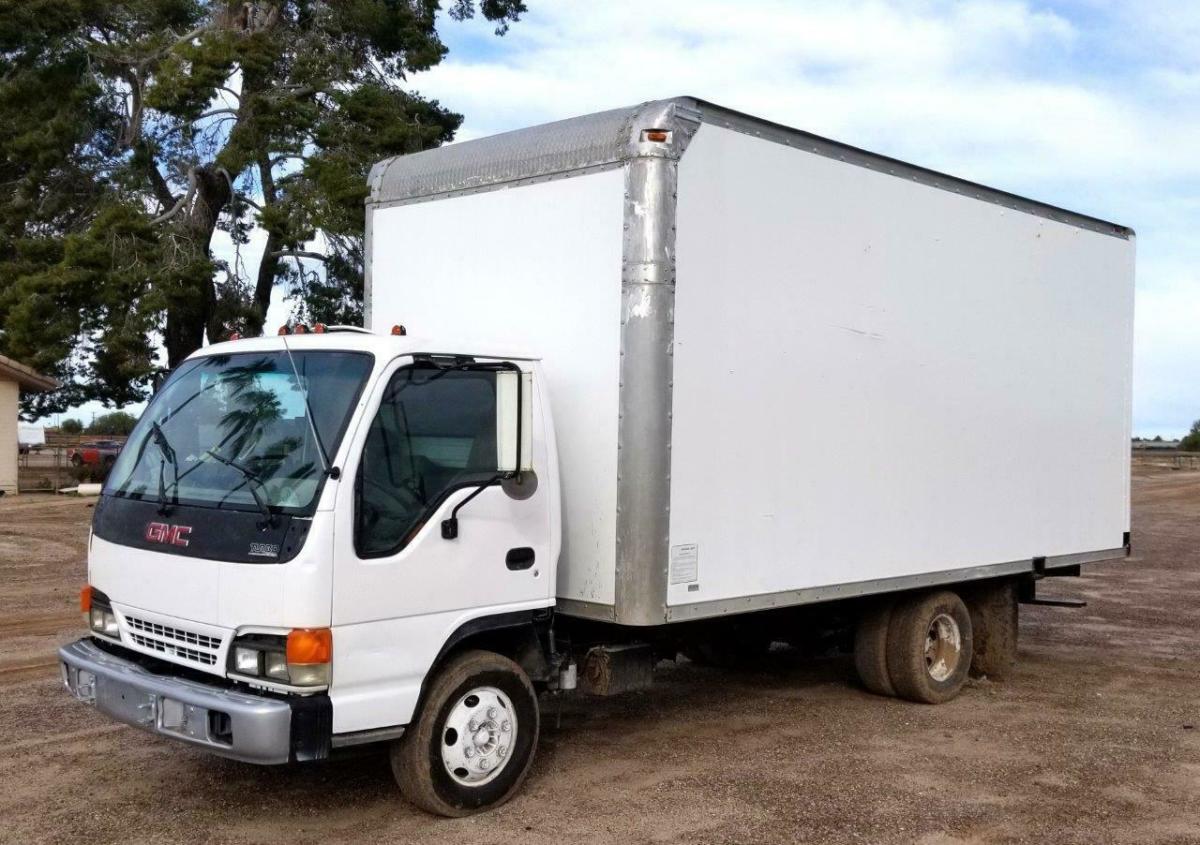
435,432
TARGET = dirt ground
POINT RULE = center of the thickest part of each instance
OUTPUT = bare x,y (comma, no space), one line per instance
1096,739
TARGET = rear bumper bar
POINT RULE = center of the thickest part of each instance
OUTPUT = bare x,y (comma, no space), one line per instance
239,725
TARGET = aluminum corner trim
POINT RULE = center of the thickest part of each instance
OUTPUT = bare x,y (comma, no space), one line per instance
646,366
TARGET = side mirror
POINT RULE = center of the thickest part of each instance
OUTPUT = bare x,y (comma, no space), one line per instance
157,380
514,421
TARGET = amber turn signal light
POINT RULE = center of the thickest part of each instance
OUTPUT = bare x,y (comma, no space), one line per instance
310,645
85,599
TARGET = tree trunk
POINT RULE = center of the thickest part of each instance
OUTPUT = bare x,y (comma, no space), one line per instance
193,303
268,267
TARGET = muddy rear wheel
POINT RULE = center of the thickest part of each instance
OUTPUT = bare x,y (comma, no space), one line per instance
870,649
929,647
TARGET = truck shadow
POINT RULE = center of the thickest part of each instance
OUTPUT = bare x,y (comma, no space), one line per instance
621,725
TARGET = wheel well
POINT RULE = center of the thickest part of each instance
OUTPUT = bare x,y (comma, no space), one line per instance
521,637
519,643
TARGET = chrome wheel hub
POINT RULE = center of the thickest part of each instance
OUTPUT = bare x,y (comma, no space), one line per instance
943,647
477,736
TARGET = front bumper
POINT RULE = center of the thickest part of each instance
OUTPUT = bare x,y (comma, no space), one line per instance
228,722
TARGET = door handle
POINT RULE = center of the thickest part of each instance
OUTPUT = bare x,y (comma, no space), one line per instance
519,558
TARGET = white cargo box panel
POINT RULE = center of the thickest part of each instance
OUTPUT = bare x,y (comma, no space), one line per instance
783,370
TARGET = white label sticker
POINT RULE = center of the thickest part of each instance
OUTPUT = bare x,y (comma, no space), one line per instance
685,563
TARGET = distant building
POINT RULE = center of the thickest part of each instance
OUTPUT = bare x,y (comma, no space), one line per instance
15,378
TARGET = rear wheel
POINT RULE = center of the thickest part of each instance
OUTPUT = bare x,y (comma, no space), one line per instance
474,740
929,647
870,649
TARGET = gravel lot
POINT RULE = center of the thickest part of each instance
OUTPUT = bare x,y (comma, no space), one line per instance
1096,739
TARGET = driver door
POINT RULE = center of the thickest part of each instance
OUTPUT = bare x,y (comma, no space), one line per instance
400,589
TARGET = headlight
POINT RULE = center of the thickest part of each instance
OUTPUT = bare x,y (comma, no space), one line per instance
276,666
99,614
247,660
301,659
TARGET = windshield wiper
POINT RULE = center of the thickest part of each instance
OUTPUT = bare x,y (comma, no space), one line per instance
255,482
164,446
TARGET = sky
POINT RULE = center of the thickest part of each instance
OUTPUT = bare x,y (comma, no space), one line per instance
1090,105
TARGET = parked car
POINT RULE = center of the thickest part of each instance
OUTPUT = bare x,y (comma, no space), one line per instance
98,453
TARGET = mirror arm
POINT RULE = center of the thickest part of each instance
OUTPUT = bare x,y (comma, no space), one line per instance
450,526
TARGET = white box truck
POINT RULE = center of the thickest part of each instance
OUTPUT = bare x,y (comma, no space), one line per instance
675,379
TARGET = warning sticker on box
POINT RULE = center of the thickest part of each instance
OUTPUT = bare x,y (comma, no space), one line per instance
685,563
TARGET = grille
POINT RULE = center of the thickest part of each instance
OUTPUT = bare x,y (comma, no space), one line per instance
177,642
177,634
176,650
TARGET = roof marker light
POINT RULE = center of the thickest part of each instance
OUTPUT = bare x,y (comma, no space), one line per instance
399,330
284,330
659,136
318,328
300,329
235,336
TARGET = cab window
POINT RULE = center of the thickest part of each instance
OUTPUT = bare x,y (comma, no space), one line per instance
435,432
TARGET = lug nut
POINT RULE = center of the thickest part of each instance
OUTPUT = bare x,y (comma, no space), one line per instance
505,726
484,763
491,712
470,752
502,750
472,726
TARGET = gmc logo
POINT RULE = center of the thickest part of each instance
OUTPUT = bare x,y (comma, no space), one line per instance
169,535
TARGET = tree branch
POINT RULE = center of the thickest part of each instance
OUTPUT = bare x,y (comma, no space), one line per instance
242,198
162,191
295,253
181,202
216,112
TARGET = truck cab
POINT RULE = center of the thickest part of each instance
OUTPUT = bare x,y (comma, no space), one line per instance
301,526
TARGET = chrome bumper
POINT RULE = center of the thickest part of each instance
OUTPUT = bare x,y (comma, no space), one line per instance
251,728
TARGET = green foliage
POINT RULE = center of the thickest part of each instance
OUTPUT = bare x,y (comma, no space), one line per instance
1191,440
130,132
117,422
71,426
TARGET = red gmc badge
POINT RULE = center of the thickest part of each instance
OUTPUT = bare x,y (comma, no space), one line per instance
167,534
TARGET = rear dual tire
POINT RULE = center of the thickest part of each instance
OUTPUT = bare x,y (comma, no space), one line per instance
918,648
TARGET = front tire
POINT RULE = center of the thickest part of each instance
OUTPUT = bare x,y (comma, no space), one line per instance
474,740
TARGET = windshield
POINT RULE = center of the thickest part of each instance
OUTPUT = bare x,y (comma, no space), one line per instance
235,430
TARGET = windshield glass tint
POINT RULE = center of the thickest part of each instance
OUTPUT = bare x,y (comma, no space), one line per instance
435,432
227,427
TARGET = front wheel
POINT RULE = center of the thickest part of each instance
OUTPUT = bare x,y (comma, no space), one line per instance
474,740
